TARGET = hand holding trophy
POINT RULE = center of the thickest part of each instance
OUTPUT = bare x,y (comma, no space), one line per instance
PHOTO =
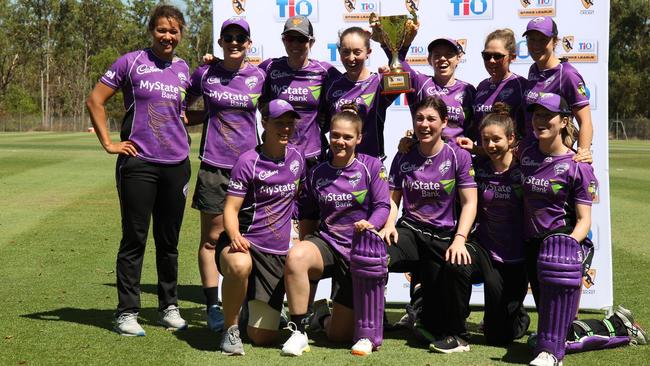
394,32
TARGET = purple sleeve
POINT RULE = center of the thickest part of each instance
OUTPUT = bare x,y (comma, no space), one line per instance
115,77
332,72
196,88
395,178
307,204
241,177
585,184
379,196
573,87
464,169
265,64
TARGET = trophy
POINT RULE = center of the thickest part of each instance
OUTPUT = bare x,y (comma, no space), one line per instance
394,32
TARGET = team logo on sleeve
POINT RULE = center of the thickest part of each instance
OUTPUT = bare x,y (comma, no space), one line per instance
471,172
235,184
383,175
294,166
444,167
593,191
583,90
110,74
239,6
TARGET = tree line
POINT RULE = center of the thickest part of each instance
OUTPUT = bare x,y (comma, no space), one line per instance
53,52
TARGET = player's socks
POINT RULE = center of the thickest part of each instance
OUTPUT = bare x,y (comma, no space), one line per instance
299,320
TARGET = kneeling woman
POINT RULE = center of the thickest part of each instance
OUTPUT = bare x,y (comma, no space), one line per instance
257,218
349,193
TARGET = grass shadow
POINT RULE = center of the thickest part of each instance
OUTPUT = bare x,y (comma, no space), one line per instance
189,293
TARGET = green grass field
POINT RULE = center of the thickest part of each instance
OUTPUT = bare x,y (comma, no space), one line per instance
59,233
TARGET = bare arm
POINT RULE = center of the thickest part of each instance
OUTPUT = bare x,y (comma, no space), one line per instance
583,222
389,232
586,134
96,108
457,253
231,223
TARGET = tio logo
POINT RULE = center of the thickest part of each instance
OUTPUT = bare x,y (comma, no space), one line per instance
289,8
417,50
586,46
334,52
544,2
368,7
470,7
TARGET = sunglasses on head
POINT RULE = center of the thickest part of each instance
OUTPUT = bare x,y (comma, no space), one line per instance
240,38
487,56
299,39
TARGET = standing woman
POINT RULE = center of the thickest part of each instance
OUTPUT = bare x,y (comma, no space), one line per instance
152,169
257,217
230,89
299,80
350,193
549,74
503,86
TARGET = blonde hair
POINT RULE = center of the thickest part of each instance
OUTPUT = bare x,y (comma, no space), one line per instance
507,36
570,132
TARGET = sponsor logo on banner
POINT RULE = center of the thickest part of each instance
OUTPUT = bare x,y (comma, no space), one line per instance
579,49
358,11
239,6
462,42
590,278
417,55
470,9
536,8
287,8
255,54
586,4
523,57
412,6
400,103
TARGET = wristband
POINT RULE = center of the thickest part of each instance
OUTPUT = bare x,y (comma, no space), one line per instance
461,235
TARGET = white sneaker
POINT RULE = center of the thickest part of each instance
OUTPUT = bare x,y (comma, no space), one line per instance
170,318
545,359
363,347
297,343
126,324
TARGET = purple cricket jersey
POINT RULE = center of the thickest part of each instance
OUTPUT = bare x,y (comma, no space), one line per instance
302,88
500,211
510,91
366,94
269,188
563,80
429,184
154,92
231,100
552,186
339,197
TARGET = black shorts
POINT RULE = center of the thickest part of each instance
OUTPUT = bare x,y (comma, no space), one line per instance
211,188
266,281
414,239
336,267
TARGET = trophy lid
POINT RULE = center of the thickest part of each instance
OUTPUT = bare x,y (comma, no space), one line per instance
448,41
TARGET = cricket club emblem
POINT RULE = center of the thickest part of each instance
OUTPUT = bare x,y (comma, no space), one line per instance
587,3
524,3
412,6
239,6
463,44
567,43
590,278
350,5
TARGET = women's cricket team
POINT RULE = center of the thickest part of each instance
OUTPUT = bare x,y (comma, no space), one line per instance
491,187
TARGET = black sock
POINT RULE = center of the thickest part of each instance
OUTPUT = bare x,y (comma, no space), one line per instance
211,296
299,320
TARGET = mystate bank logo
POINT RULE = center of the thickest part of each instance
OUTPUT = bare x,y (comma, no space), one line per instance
358,11
536,8
288,8
579,49
470,9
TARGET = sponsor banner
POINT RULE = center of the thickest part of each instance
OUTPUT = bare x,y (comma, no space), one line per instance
470,9
255,54
579,49
358,11
287,8
588,6
536,8
418,55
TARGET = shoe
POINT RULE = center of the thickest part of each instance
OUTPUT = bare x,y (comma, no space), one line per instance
545,359
449,344
363,347
322,309
215,318
532,341
297,343
126,324
637,335
231,344
170,318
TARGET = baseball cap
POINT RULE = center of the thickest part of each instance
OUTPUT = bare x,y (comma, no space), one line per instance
544,25
300,24
237,21
552,102
278,107
448,41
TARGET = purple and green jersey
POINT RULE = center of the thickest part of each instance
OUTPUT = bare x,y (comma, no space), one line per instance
500,211
429,184
231,99
269,188
339,197
563,80
552,186
366,95
154,92
302,89
510,91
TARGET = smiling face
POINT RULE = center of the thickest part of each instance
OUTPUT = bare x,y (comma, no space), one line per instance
296,45
495,141
540,47
548,125
235,42
165,36
444,59
427,125
498,59
354,52
344,138
279,130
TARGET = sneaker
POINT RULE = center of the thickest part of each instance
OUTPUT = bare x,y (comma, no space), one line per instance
231,344
363,347
215,318
170,318
126,324
545,359
637,334
449,344
297,343
322,309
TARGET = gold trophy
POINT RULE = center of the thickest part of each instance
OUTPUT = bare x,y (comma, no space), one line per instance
394,32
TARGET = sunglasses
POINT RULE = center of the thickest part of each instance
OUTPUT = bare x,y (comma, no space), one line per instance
487,56
240,38
299,39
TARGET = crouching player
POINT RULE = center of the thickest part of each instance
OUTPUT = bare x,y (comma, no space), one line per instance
257,219
557,195
349,193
